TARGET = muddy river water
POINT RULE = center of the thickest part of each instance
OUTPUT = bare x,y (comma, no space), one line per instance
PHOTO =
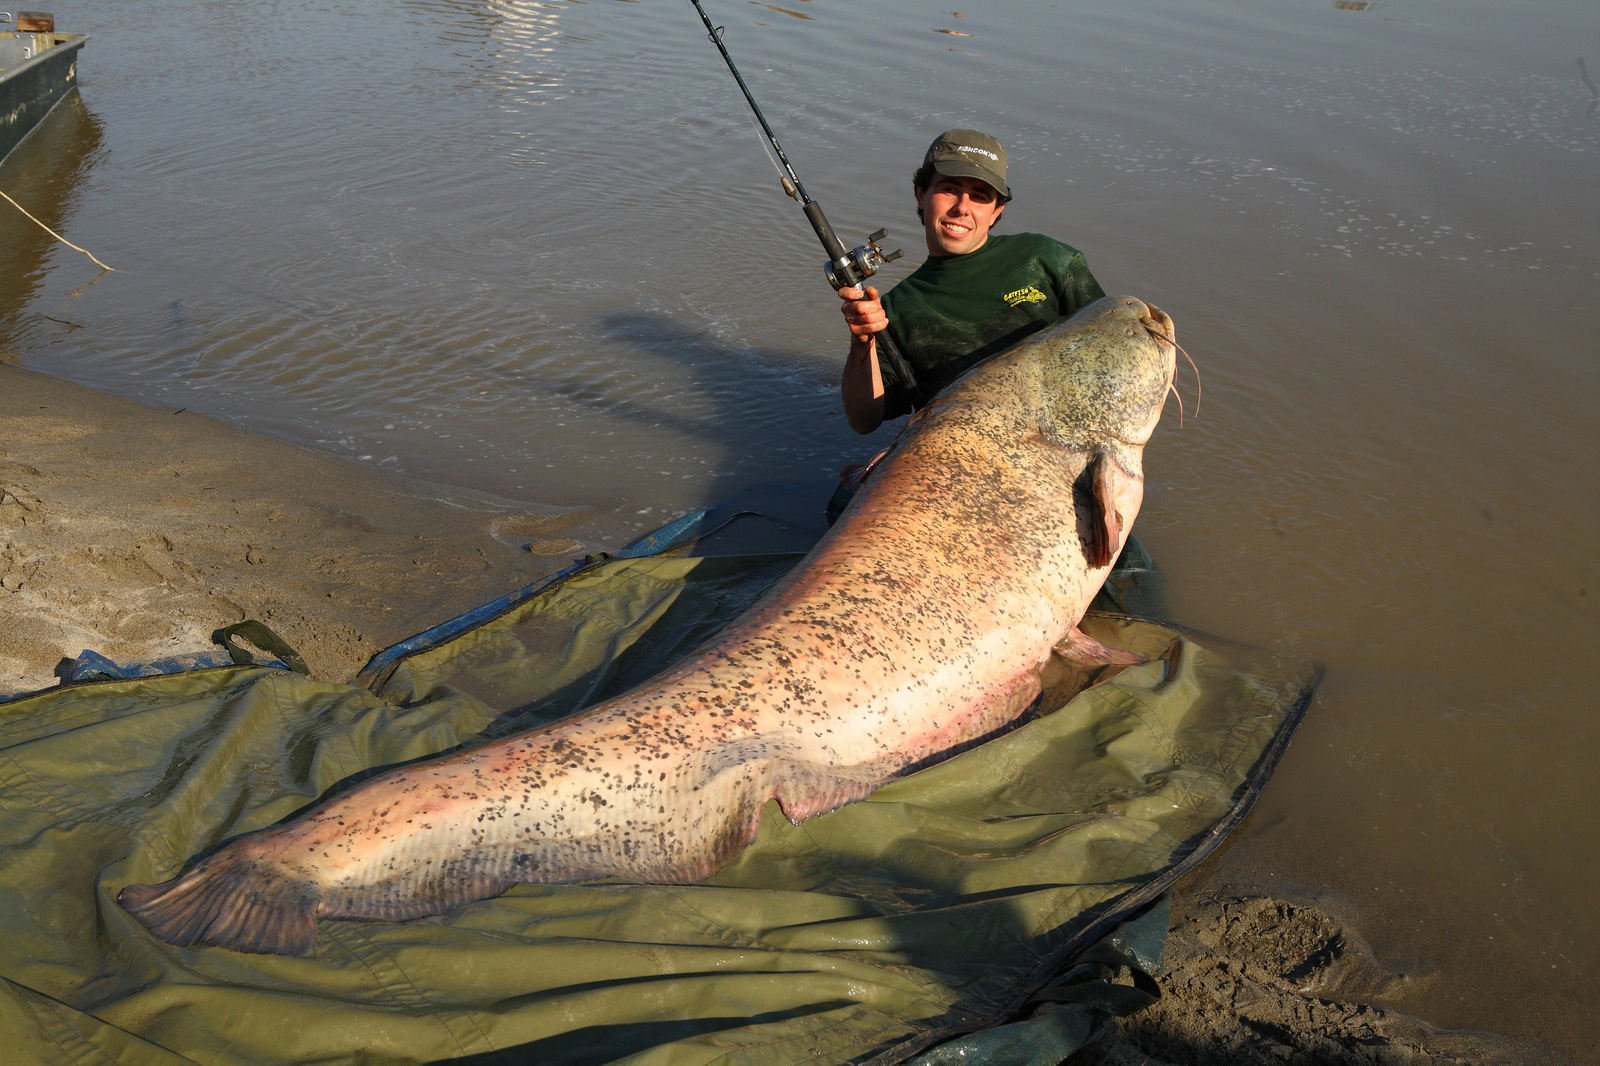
534,249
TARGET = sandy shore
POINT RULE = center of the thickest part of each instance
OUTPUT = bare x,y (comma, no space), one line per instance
138,532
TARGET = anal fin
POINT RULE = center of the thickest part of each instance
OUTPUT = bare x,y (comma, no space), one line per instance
1080,649
804,789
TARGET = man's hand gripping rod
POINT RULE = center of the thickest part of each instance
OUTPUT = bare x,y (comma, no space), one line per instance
843,268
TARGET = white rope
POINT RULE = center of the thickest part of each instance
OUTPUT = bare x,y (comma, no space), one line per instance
56,235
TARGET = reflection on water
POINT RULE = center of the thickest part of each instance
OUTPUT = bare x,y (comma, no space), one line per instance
508,44
43,175
534,248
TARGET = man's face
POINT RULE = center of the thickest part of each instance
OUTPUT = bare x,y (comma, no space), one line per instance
957,214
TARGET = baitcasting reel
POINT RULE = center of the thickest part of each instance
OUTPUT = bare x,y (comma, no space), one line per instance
860,263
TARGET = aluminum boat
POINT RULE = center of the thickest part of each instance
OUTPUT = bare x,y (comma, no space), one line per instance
38,67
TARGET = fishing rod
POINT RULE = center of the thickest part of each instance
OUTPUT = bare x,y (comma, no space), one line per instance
843,268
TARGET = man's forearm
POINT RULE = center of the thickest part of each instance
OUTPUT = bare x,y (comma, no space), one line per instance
861,387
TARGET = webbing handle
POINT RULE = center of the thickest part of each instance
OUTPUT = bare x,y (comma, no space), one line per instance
259,634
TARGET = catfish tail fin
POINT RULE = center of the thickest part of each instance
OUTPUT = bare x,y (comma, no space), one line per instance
230,901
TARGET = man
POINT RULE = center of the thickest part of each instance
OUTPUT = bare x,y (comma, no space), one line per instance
977,293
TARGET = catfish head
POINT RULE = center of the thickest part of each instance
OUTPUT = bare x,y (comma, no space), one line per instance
1104,376
1090,390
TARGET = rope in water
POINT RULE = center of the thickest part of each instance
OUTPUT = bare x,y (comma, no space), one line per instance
56,235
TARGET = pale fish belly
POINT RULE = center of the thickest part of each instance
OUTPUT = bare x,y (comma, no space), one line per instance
638,790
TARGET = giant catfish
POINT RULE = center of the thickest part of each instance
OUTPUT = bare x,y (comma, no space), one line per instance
918,624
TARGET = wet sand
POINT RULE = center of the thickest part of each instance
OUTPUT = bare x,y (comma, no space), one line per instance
1260,981
137,532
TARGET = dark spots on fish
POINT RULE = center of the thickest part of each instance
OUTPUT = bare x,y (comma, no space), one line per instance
983,486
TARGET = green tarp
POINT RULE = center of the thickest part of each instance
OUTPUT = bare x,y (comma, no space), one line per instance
940,906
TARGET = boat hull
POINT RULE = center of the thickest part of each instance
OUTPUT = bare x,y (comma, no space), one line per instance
34,76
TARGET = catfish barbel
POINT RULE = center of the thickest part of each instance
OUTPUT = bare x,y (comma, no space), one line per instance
920,623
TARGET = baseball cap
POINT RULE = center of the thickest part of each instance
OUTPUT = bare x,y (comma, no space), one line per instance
969,154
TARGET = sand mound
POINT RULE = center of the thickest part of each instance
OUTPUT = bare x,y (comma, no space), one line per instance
1263,982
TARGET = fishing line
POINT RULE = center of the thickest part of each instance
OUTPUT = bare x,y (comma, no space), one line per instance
744,104
786,174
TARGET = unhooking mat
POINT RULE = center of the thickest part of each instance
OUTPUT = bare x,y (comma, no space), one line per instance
908,926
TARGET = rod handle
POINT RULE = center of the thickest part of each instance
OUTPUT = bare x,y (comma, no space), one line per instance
819,222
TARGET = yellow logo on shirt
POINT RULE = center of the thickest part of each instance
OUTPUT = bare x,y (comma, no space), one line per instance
1030,295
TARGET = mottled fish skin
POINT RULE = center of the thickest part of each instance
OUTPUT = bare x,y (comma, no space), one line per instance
920,622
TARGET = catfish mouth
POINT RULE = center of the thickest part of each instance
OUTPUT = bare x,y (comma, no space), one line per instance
1159,325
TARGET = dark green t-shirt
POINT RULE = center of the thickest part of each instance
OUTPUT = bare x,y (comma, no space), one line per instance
954,311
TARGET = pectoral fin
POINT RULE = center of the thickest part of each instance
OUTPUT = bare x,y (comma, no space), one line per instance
1081,649
1099,521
